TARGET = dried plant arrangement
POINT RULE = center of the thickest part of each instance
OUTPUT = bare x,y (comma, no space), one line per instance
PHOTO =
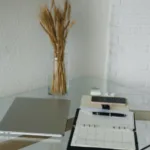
57,22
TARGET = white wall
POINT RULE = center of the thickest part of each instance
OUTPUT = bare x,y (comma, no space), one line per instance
129,61
99,14
25,50
78,40
24,47
91,38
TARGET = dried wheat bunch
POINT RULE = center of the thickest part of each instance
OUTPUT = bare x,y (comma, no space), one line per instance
56,23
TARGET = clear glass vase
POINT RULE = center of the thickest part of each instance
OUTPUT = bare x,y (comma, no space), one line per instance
58,79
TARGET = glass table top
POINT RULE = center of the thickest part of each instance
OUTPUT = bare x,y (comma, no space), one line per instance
138,99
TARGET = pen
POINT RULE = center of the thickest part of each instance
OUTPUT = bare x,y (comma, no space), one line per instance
109,114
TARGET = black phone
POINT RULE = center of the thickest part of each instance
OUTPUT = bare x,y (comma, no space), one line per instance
105,99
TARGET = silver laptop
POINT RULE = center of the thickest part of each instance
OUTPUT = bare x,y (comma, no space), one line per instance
36,117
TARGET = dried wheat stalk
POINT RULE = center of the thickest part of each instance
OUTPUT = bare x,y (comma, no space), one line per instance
56,24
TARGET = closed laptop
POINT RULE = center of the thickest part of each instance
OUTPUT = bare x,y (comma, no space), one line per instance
36,117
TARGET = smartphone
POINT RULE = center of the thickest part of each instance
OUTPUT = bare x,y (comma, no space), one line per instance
104,99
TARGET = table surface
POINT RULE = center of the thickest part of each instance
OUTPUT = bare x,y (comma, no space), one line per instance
138,99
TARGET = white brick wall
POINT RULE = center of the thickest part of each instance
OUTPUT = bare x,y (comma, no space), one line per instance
129,58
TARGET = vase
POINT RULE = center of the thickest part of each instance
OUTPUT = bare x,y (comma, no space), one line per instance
58,79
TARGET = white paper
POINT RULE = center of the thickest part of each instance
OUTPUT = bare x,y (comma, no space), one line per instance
104,132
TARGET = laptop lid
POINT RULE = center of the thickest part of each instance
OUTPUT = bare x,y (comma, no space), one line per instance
36,116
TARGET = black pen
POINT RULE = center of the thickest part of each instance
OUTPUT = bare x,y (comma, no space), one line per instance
109,114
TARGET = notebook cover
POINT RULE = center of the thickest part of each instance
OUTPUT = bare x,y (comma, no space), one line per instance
69,147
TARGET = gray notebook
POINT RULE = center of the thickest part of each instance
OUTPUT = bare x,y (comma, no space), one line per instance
36,117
